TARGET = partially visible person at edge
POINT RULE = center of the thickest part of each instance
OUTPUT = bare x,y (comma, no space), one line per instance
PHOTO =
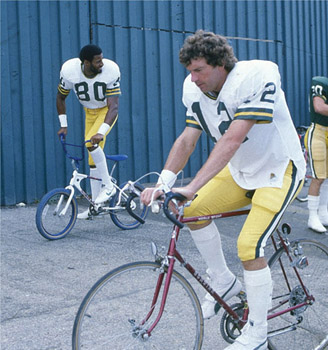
241,107
316,143
96,83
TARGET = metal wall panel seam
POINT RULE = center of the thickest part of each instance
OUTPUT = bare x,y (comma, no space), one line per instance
8,188
27,116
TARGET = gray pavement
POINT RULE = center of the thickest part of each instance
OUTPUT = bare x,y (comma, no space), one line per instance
43,282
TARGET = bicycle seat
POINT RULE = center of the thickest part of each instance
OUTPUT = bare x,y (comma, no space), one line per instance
117,157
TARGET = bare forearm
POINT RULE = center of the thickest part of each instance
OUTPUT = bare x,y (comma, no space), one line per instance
221,154
214,164
179,154
112,112
60,104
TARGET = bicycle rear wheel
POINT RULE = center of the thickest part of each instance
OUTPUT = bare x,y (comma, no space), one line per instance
49,219
120,216
307,325
111,314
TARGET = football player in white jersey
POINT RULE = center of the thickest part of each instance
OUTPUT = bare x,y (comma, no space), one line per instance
96,83
242,108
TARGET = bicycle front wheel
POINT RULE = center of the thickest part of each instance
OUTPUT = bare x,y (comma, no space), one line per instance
113,314
305,327
120,215
50,219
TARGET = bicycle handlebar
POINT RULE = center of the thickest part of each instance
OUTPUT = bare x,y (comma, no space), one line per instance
64,144
169,197
129,209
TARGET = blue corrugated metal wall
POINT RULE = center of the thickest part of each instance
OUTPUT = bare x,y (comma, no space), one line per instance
144,38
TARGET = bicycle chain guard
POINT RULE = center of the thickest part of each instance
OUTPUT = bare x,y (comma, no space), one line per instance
229,327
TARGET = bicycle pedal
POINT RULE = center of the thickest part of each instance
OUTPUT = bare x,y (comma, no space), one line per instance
242,296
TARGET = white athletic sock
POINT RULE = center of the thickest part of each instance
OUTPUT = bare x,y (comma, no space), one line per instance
315,222
259,293
313,205
208,242
95,185
99,158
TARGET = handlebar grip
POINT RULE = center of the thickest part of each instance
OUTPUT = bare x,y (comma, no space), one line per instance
168,197
130,211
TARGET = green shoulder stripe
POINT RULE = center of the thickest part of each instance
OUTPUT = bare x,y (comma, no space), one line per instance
192,122
260,114
63,91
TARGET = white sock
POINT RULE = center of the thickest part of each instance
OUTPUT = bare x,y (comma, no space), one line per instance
323,202
313,205
95,185
208,242
99,158
259,293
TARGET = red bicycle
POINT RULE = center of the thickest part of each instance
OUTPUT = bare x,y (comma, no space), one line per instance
150,305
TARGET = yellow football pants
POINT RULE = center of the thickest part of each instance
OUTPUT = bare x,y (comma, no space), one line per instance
268,204
93,119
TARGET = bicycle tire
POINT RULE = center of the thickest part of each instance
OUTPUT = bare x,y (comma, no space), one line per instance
312,328
123,297
120,216
51,225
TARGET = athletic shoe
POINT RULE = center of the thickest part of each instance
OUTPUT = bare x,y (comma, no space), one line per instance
251,338
323,219
84,215
105,193
210,307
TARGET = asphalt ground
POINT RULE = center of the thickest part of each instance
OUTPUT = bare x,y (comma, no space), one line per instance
43,282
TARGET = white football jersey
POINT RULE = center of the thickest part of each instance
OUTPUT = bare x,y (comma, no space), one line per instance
91,92
252,91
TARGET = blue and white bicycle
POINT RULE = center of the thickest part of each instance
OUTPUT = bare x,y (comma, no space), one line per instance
57,211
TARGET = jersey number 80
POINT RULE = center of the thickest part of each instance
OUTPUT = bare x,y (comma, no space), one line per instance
82,91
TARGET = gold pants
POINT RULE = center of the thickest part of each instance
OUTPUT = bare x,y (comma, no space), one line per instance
268,204
93,119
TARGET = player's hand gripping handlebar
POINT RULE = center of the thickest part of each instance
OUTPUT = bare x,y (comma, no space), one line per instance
169,196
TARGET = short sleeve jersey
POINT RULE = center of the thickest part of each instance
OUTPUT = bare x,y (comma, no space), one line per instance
251,91
319,88
91,92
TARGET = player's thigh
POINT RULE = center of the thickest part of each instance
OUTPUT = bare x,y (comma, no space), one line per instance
221,194
93,121
268,206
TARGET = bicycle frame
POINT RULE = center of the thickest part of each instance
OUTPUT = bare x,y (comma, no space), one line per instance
168,262
77,177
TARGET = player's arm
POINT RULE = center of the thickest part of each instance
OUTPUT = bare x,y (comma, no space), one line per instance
181,150
221,154
179,155
61,110
320,106
112,104
111,115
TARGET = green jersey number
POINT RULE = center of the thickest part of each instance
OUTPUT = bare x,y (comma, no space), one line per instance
82,91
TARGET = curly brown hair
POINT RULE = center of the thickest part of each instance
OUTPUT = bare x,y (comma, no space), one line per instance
214,48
